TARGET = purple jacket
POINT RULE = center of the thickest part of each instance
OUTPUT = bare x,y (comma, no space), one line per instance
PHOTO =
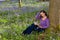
44,23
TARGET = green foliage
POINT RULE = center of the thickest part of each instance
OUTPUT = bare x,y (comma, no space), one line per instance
12,26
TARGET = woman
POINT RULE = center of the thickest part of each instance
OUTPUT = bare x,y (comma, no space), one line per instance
44,23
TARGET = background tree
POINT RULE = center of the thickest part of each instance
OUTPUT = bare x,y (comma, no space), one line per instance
19,1
54,12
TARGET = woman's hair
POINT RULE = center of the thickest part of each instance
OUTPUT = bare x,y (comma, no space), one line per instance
45,13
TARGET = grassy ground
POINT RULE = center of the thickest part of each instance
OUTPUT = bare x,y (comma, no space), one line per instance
26,7
11,27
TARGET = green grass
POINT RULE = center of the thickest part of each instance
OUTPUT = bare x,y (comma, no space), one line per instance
11,27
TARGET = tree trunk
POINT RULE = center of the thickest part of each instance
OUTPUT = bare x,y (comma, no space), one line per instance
20,3
54,12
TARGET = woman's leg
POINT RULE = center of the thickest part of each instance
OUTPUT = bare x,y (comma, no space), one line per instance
41,30
30,29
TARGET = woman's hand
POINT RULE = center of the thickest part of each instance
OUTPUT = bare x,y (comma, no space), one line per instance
40,26
35,23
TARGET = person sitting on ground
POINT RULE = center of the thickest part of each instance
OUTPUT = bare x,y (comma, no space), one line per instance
41,26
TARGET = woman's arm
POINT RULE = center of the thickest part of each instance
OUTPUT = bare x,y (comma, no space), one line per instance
37,24
40,26
44,26
47,23
37,16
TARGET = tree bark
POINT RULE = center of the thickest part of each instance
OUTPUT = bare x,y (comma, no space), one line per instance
20,3
54,12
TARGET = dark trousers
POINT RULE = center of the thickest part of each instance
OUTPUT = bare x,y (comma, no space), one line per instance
31,28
